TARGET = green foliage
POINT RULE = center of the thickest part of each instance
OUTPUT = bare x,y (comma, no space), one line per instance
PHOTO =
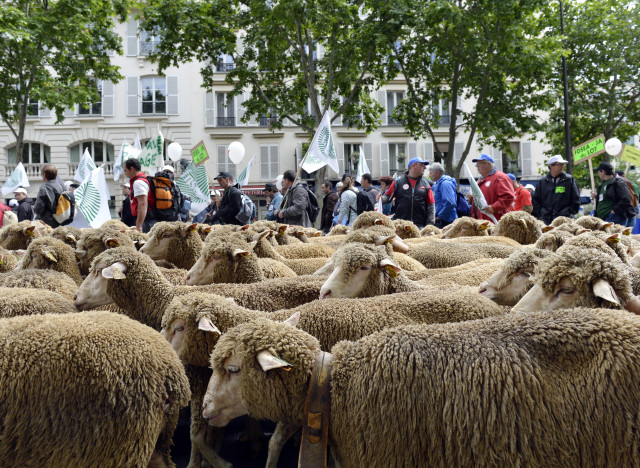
53,51
492,54
602,38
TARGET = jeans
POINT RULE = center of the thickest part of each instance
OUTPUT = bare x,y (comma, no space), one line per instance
147,225
616,219
440,223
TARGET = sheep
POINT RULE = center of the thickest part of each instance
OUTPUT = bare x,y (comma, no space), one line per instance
8,261
430,231
87,390
204,230
521,389
18,236
595,239
264,225
593,223
519,226
305,250
339,230
133,282
500,240
578,276
553,240
228,260
461,275
138,238
67,234
282,237
47,253
372,218
93,242
435,254
514,277
177,243
560,220
406,229
51,280
466,226
22,301
115,224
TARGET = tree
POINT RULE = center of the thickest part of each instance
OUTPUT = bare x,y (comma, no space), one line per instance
493,55
602,38
297,59
52,52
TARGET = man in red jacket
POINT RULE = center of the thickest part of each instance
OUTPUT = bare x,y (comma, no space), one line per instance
496,187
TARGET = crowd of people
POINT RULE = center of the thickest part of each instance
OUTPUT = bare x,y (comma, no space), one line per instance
433,200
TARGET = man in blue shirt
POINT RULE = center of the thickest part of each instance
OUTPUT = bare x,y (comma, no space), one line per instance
274,197
444,193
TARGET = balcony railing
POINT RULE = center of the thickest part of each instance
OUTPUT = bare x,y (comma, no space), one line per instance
148,47
226,121
444,120
267,121
393,122
224,67
33,170
107,166
357,119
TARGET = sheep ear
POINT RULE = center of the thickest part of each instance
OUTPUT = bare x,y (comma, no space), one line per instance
269,361
80,253
190,228
240,253
626,232
1,259
293,320
207,229
391,268
282,228
484,225
603,290
378,222
71,237
111,242
606,225
28,231
49,256
205,324
582,231
612,240
115,271
317,234
523,222
245,227
253,244
262,235
548,228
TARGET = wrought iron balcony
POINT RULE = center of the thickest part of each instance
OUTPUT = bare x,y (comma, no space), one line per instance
226,121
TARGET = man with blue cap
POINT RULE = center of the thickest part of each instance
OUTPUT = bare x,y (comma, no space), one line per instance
496,187
413,196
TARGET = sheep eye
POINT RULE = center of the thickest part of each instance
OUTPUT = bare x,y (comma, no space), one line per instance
233,369
216,256
567,291
179,329
365,268
167,235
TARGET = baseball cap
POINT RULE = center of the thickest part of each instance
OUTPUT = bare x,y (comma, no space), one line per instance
270,186
13,202
20,190
74,185
556,159
126,184
484,157
214,192
511,176
223,175
417,160
529,187
67,184
605,166
168,168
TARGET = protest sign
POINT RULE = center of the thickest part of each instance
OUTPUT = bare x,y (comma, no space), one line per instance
631,154
322,150
199,153
588,149
194,182
92,198
18,179
151,157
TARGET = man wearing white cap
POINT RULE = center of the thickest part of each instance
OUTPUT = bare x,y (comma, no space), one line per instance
25,209
556,193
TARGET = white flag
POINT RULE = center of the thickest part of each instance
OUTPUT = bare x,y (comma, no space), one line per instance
151,157
85,167
321,151
243,177
118,166
478,196
194,182
92,198
18,179
363,168
136,143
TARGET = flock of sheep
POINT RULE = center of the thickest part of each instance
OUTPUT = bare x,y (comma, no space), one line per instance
481,345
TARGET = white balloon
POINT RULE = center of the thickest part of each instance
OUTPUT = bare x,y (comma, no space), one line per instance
236,152
613,146
174,151
279,182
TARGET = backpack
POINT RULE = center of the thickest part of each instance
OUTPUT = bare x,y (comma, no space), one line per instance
8,217
462,208
65,209
168,198
247,210
312,207
363,202
634,198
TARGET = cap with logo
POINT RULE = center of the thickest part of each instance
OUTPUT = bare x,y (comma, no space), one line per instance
412,161
484,157
556,159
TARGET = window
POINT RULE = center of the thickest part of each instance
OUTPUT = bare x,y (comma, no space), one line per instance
33,108
94,108
148,44
154,95
443,110
349,149
268,120
511,159
393,99
224,63
32,153
99,150
397,157
224,107
269,162
223,161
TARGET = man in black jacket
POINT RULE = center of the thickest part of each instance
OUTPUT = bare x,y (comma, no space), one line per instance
556,193
231,202
613,199
25,210
328,204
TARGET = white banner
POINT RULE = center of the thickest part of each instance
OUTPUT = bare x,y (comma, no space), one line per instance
243,177
363,168
118,167
478,196
194,182
85,167
92,198
151,157
322,150
17,179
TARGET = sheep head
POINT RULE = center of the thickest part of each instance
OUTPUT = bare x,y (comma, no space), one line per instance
465,227
219,261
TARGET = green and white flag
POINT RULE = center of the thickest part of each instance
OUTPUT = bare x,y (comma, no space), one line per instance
151,157
478,196
17,179
243,177
118,166
92,198
194,182
363,167
322,150
85,167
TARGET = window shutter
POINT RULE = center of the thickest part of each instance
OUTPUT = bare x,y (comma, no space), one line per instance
412,151
340,155
299,154
107,98
172,95
368,156
428,152
275,161
132,38
239,44
132,96
458,149
209,118
382,99
264,163
497,157
68,113
252,118
459,115
222,157
43,111
525,162
240,109
384,159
